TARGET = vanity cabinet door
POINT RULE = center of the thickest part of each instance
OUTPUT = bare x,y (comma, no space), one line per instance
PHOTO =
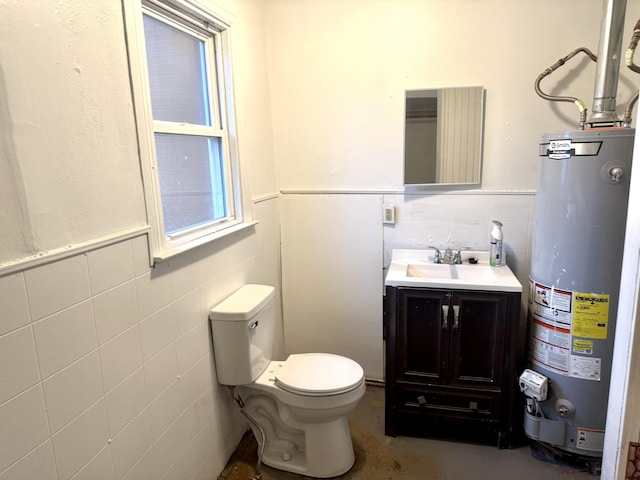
451,364
422,336
478,329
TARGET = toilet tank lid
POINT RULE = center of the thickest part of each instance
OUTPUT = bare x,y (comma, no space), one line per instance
243,303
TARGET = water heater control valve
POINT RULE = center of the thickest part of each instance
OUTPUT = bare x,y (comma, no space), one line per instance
534,385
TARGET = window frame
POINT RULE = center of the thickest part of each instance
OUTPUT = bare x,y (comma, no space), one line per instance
214,28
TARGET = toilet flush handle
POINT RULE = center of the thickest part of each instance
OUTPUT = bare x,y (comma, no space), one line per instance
253,325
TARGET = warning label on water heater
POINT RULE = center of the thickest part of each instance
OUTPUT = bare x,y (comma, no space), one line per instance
564,325
591,315
590,439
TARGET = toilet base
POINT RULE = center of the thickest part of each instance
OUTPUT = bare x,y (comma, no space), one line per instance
320,458
320,449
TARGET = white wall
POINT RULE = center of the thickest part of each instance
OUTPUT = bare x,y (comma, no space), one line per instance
332,277
68,156
319,88
337,80
106,366
623,416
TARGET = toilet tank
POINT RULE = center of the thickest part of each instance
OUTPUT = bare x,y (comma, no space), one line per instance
242,327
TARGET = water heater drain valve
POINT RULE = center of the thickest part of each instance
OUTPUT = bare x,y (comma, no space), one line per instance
534,385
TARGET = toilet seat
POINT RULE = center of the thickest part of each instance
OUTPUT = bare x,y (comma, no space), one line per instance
318,374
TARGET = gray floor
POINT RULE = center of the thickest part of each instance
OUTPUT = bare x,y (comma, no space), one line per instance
379,457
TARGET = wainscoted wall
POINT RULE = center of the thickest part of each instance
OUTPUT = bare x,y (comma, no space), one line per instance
332,276
106,368
333,261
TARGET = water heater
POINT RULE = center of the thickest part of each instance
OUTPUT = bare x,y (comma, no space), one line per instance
576,258
580,216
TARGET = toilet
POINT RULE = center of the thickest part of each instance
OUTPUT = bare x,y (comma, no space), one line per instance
299,403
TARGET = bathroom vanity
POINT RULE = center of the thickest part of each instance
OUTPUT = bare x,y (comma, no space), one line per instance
455,345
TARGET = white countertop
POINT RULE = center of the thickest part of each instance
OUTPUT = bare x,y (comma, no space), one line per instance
415,268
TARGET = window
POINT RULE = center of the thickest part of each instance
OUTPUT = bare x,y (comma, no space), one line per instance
180,67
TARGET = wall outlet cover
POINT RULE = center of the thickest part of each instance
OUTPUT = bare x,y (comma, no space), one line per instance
389,214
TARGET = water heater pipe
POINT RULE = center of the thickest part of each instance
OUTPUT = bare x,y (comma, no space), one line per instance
555,98
626,121
608,64
631,50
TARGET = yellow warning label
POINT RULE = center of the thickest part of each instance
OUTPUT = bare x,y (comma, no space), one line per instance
590,315
582,346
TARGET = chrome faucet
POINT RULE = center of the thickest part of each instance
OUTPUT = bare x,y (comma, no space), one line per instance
437,256
457,258
449,257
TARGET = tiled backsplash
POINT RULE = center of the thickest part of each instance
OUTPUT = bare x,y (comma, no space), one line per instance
463,220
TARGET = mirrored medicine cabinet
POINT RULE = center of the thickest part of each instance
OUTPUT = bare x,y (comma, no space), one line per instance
443,136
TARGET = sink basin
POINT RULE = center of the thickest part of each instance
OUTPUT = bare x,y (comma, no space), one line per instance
471,273
415,268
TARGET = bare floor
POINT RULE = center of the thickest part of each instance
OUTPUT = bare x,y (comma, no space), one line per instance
379,457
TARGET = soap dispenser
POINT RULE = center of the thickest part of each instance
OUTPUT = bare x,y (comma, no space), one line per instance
495,255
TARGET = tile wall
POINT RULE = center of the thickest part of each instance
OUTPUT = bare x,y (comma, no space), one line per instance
464,220
105,364
106,367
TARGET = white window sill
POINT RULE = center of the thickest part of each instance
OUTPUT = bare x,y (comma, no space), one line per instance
171,252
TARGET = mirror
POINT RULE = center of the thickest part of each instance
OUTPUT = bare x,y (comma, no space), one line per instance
443,136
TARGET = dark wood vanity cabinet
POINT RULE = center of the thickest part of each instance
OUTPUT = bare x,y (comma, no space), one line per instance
452,363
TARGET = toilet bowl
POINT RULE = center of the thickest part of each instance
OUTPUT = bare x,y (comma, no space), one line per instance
299,403
307,430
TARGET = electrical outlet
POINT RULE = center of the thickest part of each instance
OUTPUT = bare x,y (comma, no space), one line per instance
389,214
